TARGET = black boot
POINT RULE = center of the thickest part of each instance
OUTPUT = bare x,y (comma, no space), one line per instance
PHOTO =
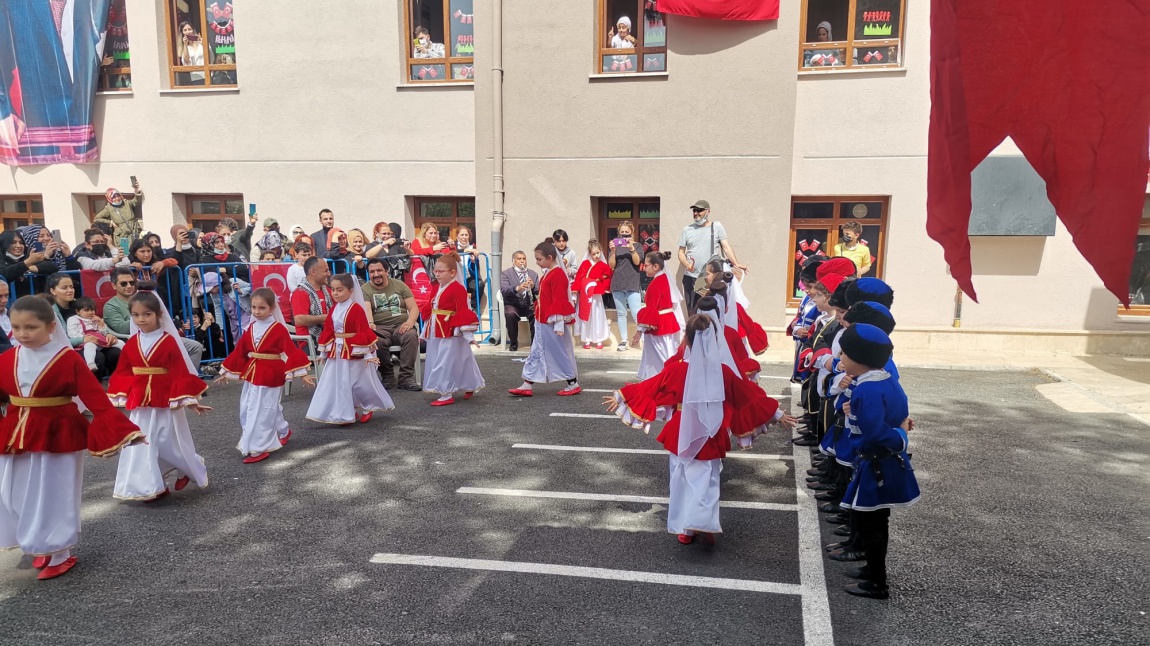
869,590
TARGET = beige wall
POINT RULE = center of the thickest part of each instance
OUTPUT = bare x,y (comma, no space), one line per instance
322,119
319,120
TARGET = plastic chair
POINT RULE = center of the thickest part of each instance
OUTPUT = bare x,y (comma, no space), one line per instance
311,354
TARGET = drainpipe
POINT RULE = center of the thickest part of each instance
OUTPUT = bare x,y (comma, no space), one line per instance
958,307
498,193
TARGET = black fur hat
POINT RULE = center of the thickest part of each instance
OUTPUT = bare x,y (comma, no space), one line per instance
866,344
839,296
870,289
870,313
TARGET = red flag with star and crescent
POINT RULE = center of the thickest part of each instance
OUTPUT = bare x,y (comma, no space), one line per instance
419,280
1069,83
274,277
97,285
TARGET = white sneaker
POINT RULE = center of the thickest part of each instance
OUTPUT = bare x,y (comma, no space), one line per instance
93,367
622,347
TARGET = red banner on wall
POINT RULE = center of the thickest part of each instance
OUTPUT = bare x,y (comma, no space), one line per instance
723,9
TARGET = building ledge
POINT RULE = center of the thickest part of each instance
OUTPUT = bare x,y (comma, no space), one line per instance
627,76
114,93
201,90
882,71
404,87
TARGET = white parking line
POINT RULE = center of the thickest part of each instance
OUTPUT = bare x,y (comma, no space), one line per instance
606,449
606,497
817,627
745,585
587,415
621,372
598,390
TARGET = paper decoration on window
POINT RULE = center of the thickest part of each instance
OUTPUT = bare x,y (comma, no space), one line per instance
465,45
464,18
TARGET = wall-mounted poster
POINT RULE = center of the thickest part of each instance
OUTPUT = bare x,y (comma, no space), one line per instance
50,54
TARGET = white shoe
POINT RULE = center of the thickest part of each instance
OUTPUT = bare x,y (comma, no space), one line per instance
93,367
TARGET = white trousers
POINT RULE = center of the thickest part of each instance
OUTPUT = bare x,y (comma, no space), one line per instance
40,501
694,505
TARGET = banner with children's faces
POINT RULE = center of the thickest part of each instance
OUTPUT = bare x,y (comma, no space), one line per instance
50,54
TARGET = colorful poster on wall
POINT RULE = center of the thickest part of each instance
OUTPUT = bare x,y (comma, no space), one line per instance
50,53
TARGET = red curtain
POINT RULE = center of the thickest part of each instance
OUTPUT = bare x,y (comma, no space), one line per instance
1069,82
722,9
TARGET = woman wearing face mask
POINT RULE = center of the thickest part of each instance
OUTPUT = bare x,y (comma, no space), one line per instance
16,261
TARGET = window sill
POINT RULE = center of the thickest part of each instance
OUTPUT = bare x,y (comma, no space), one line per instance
113,92
853,70
201,90
443,85
626,76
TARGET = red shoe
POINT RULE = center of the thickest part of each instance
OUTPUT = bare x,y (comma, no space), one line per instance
162,494
567,392
365,418
686,539
53,571
443,402
521,392
252,459
586,346
182,482
598,346
41,562
468,394
284,439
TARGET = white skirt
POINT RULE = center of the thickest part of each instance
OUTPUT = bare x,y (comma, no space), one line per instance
552,357
143,468
40,501
346,388
451,366
694,504
656,351
262,419
595,329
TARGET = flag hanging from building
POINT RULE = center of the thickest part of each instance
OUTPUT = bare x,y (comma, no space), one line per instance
50,54
1069,82
723,9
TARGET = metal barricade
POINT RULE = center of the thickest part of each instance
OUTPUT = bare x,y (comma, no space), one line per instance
477,280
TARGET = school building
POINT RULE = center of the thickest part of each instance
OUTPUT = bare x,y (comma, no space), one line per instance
788,128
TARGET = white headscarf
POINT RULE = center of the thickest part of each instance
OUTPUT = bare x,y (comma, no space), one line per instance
703,394
676,299
735,291
825,25
169,326
725,355
624,20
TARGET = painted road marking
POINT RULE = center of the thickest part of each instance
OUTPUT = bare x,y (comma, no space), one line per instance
586,415
622,372
817,627
598,390
606,497
769,587
604,449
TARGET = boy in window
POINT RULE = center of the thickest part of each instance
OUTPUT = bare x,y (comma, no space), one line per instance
424,48
852,247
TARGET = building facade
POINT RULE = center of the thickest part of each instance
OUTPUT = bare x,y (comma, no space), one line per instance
788,128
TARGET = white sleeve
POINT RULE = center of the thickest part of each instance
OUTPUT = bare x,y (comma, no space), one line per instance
101,264
75,328
559,325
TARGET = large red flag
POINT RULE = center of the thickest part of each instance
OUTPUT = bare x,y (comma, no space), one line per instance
419,280
274,277
722,9
1069,82
97,285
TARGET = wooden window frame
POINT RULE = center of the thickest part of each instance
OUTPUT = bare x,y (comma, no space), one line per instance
602,223
207,68
602,46
448,62
834,225
1138,310
29,215
848,45
103,82
195,220
452,222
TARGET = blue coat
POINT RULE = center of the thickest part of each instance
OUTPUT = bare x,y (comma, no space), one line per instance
883,475
843,449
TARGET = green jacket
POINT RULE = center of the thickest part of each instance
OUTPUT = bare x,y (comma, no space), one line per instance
123,220
117,317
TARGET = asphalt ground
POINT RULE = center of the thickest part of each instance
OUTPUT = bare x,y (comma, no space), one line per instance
1032,530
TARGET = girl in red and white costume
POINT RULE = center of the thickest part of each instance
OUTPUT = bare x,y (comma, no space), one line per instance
156,380
451,366
592,281
44,436
552,356
349,388
660,322
265,358
703,401
753,336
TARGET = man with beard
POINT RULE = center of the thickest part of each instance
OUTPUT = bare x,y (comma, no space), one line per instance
394,314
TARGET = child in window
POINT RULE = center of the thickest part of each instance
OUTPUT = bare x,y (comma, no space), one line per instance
86,324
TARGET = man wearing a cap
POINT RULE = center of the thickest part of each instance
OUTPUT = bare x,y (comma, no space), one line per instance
701,241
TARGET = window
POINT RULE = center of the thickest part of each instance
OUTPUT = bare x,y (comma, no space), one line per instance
816,229
21,210
844,34
202,43
439,40
96,203
206,211
632,37
643,212
1140,269
116,68
448,214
